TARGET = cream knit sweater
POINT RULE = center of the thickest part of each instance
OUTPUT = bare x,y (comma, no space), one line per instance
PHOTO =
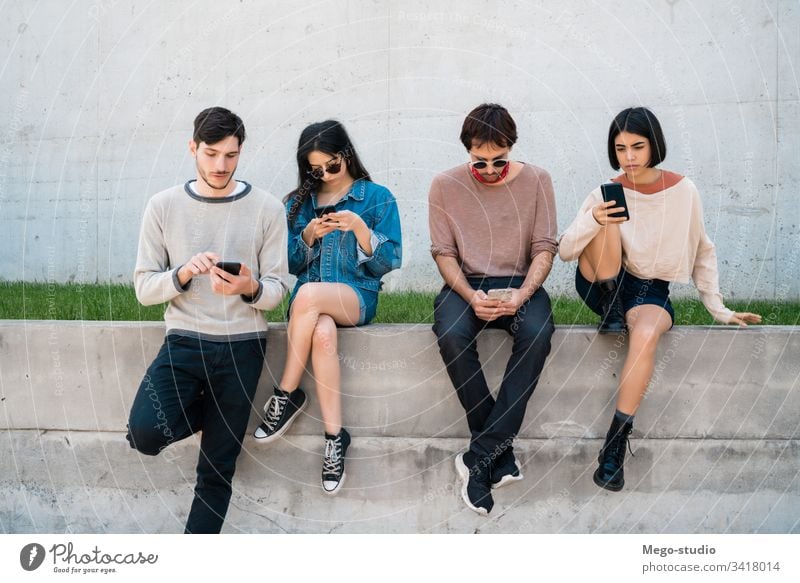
248,227
664,239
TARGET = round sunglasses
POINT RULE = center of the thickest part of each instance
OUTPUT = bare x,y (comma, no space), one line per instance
481,164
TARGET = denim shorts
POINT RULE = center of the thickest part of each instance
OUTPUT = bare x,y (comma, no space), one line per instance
635,292
367,303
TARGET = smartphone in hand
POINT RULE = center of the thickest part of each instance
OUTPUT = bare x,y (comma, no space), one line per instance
231,267
503,295
324,210
613,191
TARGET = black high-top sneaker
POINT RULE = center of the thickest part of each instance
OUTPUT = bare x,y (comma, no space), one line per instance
613,318
475,487
610,473
333,474
279,413
505,469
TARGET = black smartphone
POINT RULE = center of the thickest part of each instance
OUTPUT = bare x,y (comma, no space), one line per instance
613,191
231,267
321,211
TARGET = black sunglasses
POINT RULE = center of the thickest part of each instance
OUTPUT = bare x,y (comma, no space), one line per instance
330,168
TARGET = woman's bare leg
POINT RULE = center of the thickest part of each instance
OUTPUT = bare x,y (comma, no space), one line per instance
602,257
646,324
337,300
327,372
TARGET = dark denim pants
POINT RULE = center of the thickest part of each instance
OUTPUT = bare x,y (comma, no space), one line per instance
493,424
195,385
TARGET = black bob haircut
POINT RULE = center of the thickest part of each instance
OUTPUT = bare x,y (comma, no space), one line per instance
489,123
642,122
214,124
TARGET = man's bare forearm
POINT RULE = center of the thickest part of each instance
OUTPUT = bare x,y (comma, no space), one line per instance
537,273
454,277
534,279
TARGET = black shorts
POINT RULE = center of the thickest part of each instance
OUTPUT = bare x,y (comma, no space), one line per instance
635,292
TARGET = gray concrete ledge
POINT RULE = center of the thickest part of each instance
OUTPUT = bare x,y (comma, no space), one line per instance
87,482
716,441
716,382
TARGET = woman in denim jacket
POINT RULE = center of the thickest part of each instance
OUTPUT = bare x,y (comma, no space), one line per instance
344,235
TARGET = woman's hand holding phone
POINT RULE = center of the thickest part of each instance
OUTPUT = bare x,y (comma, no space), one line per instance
350,221
318,228
605,213
346,220
338,221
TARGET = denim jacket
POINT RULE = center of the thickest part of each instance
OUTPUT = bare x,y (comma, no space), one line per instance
338,257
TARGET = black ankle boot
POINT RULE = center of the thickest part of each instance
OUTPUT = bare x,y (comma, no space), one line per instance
610,474
613,319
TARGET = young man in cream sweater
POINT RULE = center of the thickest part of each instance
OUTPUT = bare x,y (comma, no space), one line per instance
206,373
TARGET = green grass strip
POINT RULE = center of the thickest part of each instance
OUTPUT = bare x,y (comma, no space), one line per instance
117,302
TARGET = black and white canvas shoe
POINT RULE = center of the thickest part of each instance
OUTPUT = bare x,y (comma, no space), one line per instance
333,474
279,414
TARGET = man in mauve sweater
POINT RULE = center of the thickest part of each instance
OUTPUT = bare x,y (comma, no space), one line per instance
493,237
205,375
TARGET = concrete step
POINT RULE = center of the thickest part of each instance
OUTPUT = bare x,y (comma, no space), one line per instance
92,482
718,382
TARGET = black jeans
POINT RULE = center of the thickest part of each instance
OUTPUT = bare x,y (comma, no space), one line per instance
195,385
493,424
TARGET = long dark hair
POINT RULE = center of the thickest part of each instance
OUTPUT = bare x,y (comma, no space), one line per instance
328,137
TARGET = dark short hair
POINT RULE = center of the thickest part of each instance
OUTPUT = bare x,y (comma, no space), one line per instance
489,123
642,122
214,124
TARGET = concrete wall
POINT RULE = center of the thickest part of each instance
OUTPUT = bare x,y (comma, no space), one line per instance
736,384
716,443
98,99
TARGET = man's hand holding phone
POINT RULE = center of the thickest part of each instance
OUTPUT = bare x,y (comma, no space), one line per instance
500,294
197,265
226,282
497,303
511,300
483,307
